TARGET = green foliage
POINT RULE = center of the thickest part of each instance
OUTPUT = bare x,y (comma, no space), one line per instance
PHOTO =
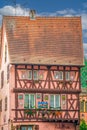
83,125
84,75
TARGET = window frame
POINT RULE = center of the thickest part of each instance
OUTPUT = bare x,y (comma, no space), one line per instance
7,73
82,106
6,103
59,104
1,105
29,98
67,75
60,75
2,79
37,78
85,106
29,78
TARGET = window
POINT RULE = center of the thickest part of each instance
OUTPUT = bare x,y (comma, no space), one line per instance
55,101
5,53
0,105
58,75
27,128
67,75
82,106
86,106
23,74
29,74
2,128
7,73
29,101
35,75
2,79
5,103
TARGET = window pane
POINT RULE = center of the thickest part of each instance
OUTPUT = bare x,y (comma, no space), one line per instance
51,101
23,74
57,101
35,75
29,127
82,106
40,74
86,106
23,128
67,75
31,101
30,74
26,101
58,75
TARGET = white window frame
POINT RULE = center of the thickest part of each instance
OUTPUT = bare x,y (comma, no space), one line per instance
23,76
59,74
29,95
37,75
67,75
54,107
30,78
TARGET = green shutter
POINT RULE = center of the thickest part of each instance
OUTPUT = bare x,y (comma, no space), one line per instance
26,101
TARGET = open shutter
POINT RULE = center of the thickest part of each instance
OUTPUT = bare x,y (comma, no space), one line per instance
63,101
46,100
38,99
20,100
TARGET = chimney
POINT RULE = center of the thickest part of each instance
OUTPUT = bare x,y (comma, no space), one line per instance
32,14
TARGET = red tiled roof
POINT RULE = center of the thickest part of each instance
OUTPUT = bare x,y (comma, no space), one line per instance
45,40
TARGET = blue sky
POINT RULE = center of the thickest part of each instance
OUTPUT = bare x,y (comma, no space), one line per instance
49,8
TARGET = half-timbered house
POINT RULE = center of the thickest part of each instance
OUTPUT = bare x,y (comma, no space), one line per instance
40,59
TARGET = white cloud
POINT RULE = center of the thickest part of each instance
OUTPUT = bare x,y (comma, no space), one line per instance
10,10
66,11
85,49
84,21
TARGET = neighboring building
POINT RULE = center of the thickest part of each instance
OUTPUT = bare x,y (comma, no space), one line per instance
83,95
83,104
41,59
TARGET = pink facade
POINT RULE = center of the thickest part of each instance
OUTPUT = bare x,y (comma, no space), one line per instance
16,115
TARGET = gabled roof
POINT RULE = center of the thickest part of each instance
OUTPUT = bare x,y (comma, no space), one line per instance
45,40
